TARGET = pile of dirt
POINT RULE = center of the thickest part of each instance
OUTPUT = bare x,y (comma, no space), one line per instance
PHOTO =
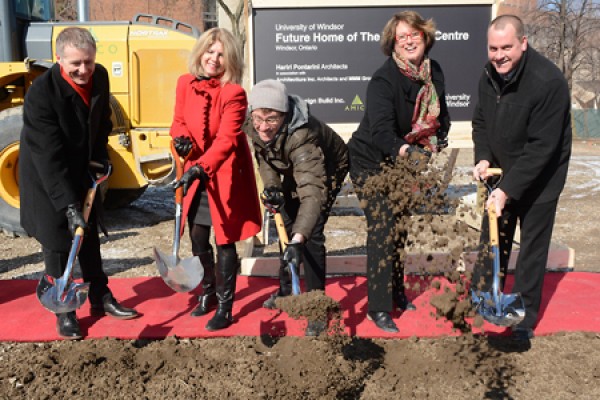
336,367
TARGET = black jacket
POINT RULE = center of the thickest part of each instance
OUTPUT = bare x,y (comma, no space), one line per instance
390,104
308,152
60,137
524,127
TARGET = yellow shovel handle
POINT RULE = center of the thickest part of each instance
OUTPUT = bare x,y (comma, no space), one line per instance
493,222
283,237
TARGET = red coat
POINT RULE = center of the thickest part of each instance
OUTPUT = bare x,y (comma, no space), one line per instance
212,115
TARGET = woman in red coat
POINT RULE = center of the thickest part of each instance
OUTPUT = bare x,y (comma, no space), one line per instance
218,184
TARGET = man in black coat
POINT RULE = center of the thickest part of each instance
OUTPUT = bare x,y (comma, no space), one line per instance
521,124
66,125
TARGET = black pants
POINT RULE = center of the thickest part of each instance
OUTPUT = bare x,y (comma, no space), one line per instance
315,253
90,262
536,223
385,240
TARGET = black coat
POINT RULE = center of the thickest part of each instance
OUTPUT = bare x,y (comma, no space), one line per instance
524,127
60,137
391,99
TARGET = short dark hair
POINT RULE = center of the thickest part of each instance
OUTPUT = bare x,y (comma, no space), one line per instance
501,21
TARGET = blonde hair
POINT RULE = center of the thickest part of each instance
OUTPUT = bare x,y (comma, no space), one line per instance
414,20
233,61
79,38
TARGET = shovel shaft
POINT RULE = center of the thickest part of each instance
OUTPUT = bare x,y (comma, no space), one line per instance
78,237
283,238
494,243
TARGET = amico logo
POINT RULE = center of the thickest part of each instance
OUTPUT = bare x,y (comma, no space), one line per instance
357,105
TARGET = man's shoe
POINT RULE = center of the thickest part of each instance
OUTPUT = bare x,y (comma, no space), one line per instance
402,303
383,320
67,326
206,302
221,320
315,328
270,302
521,335
110,306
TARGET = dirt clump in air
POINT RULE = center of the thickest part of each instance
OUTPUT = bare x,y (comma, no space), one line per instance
418,193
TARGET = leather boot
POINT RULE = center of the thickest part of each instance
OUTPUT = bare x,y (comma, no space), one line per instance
67,326
208,298
110,306
226,277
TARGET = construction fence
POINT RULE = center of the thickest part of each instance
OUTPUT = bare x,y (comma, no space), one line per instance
586,123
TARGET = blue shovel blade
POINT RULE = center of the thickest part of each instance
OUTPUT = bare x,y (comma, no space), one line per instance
506,310
59,298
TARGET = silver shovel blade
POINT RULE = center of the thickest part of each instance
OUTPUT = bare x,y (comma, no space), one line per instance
61,297
507,310
181,275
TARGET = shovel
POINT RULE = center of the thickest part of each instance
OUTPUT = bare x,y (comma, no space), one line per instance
180,275
283,238
62,295
498,308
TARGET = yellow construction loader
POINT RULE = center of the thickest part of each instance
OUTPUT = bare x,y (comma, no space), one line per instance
144,58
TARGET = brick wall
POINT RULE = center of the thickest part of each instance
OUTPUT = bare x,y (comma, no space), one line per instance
188,11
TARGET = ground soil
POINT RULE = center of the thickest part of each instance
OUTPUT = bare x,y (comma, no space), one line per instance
561,366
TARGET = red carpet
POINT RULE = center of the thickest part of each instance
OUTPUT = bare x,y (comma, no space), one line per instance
571,303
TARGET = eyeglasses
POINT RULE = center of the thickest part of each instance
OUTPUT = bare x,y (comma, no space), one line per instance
416,36
270,121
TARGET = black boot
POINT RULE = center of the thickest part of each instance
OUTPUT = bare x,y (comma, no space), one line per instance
402,302
110,306
208,298
226,277
67,326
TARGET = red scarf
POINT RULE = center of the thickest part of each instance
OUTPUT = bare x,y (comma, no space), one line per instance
427,108
85,92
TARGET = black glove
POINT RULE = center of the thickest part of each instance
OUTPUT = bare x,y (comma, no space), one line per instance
195,172
101,168
272,198
417,154
183,145
293,253
442,143
75,218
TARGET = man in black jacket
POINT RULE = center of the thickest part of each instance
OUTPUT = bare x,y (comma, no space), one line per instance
522,125
66,125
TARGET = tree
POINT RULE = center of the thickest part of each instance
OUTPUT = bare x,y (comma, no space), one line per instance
237,18
65,10
568,33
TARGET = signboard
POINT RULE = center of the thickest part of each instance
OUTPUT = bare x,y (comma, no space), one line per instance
327,55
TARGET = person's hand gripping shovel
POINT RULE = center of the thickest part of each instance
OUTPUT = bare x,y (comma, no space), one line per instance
498,308
61,295
273,200
181,275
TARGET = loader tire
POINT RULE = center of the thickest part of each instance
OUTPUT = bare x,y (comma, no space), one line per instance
11,123
118,198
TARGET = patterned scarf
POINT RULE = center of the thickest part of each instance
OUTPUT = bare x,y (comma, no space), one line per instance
425,122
